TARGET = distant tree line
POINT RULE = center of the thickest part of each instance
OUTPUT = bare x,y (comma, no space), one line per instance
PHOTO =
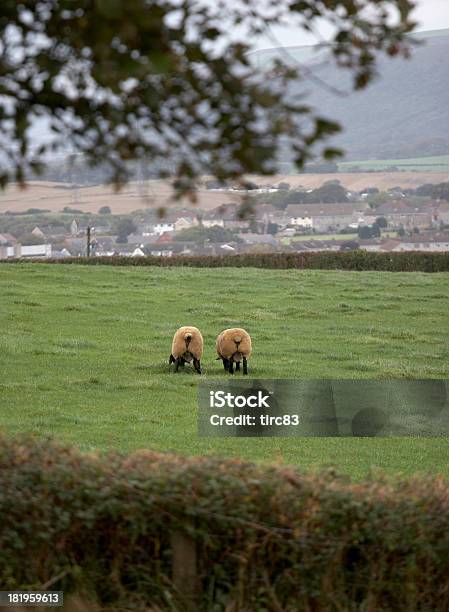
330,192
440,191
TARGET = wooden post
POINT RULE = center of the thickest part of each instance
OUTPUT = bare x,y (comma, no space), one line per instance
184,567
88,241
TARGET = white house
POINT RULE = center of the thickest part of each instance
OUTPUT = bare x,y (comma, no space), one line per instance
437,243
213,222
18,250
161,252
324,217
301,221
185,223
163,227
138,253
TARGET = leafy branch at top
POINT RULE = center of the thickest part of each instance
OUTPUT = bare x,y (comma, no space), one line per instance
163,82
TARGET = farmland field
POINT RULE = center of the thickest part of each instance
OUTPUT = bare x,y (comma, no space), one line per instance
436,163
157,193
84,353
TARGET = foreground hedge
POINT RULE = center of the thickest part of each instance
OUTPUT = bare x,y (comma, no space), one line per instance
410,261
266,538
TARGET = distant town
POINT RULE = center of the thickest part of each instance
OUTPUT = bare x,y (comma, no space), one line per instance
272,218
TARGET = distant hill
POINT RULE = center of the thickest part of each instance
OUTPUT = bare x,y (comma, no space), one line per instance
403,113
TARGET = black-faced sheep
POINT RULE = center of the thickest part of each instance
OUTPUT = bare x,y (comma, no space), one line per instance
187,345
234,346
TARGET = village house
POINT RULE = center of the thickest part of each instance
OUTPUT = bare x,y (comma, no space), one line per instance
228,216
127,250
325,218
301,246
140,239
441,213
430,242
7,239
165,237
299,218
212,219
160,249
183,223
104,246
26,251
266,213
183,219
399,213
377,245
162,227
37,232
425,242
266,239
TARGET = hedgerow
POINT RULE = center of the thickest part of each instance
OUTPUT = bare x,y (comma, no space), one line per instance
410,261
266,538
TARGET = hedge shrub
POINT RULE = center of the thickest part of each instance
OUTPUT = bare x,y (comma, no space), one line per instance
410,261
267,538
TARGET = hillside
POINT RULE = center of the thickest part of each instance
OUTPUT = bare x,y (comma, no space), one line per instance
403,113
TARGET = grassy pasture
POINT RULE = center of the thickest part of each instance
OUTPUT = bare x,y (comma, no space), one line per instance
84,353
435,163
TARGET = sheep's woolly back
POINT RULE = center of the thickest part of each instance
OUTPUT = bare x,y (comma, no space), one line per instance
187,343
235,342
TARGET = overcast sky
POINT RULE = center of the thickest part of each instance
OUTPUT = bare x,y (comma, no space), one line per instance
430,15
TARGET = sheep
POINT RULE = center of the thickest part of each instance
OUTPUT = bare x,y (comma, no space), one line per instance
187,345
234,346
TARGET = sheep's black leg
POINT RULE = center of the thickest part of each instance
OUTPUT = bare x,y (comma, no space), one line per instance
177,363
171,360
197,365
225,364
231,366
182,361
237,366
245,366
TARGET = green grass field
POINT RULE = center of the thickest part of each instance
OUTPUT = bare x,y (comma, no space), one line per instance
84,353
306,237
436,163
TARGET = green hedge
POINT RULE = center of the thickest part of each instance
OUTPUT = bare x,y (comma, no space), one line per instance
266,538
410,261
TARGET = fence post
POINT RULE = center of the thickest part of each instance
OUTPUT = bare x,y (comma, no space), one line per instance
88,241
184,566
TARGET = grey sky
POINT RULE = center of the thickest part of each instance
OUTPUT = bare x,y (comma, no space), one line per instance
430,15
